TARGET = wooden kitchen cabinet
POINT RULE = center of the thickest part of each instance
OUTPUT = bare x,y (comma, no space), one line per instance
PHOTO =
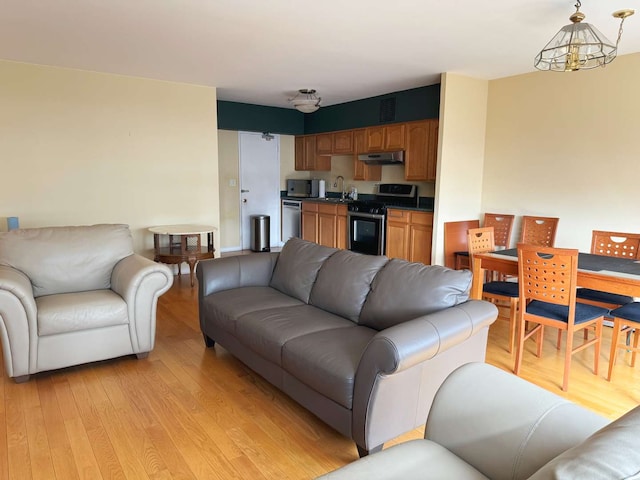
409,235
421,152
386,138
324,144
342,142
309,219
362,171
307,157
325,223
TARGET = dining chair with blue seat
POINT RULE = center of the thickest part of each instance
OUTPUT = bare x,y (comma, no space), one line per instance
626,319
501,293
548,281
610,244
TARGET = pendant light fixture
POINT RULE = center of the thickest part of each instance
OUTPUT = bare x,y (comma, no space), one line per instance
579,46
306,100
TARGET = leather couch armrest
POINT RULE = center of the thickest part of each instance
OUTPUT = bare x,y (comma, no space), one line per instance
226,273
407,344
140,281
18,322
499,422
394,371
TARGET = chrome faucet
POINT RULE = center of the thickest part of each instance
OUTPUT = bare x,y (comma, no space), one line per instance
335,185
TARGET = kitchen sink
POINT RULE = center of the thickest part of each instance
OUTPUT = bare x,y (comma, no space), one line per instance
335,200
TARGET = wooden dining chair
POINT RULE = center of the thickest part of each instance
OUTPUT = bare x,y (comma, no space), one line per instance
502,226
540,231
547,278
455,240
626,319
610,244
501,293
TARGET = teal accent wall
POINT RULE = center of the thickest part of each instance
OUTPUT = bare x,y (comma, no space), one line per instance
415,104
258,118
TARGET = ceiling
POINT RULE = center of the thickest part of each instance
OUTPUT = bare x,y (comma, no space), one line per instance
262,52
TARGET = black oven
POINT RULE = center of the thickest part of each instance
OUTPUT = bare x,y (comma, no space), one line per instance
367,219
366,232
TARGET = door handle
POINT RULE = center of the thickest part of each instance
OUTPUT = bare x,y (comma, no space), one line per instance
244,191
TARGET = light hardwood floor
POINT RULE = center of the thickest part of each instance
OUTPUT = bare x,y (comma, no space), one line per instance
187,412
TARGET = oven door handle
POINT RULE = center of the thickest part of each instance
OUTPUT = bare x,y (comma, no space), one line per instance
374,216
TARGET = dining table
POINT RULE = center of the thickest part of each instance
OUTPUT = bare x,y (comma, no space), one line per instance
599,272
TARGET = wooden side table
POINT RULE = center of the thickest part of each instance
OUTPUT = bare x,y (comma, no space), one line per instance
183,244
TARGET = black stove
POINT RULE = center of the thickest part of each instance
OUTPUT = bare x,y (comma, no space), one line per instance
388,195
367,219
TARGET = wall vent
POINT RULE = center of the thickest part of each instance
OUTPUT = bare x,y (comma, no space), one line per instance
388,110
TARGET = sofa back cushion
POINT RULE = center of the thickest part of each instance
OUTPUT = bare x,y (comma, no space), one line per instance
403,290
611,452
344,282
297,267
66,259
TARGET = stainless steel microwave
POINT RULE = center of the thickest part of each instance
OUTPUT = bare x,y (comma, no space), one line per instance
303,188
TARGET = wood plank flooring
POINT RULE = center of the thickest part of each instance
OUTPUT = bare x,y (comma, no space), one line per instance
187,412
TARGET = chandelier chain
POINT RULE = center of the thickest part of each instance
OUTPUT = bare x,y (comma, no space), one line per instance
619,32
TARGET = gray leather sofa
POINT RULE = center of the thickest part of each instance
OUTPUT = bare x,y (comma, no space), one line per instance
486,423
361,341
72,295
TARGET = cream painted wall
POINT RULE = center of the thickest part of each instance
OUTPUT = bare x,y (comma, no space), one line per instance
230,196
566,145
461,146
79,147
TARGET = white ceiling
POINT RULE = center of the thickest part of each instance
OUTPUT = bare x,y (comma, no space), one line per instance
263,51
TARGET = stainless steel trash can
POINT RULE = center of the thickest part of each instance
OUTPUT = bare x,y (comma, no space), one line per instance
260,230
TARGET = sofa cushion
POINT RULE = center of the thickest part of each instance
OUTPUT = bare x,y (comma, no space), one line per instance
297,267
344,282
327,361
226,307
70,312
412,460
66,259
402,291
611,452
266,331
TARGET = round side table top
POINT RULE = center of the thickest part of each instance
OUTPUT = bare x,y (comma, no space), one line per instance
182,229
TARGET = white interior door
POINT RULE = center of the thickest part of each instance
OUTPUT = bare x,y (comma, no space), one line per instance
259,183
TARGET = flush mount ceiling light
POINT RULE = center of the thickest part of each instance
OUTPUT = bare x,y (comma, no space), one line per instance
579,46
306,100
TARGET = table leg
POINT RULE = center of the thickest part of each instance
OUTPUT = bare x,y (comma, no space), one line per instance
192,267
478,276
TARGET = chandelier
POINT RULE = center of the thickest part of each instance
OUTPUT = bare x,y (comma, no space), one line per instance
306,100
579,46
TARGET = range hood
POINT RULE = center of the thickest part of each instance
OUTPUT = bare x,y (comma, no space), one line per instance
383,158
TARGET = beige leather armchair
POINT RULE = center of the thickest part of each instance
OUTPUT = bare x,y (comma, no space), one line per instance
72,295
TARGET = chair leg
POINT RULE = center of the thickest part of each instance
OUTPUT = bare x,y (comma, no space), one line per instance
513,320
540,340
636,337
598,333
614,346
559,342
567,360
520,349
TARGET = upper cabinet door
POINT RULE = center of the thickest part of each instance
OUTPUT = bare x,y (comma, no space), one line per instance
343,142
394,137
375,139
324,144
422,150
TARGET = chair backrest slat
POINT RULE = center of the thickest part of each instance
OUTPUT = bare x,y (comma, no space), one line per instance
502,227
615,244
540,231
547,274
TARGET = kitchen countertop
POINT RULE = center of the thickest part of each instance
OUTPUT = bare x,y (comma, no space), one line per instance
336,201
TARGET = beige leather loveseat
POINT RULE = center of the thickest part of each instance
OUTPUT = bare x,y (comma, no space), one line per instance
71,295
361,341
486,423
